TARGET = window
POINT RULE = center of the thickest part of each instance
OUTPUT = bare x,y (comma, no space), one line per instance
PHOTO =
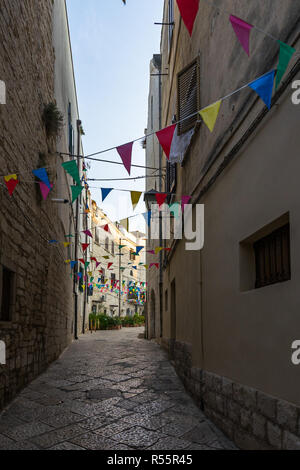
112,248
132,255
188,96
103,276
272,258
113,278
7,294
171,178
106,243
131,273
97,239
152,122
171,22
81,281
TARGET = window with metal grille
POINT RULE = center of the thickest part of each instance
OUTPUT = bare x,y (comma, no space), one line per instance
7,292
272,258
188,104
132,255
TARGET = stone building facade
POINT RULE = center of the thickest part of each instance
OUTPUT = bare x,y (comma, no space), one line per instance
36,291
228,330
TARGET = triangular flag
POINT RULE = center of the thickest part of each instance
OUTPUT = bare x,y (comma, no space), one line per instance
125,152
184,201
72,168
85,246
165,137
154,264
82,260
135,198
88,233
11,182
146,266
210,114
139,249
151,251
125,224
109,265
106,228
122,246
285,55
105,192
45,190
73,264
66,244
188,10
68,261
158,249
41,173
161,198
97,264
147,217
94,259
76,191
242,30
86,264
263,86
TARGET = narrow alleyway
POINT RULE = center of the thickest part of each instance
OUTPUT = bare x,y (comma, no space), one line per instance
109,391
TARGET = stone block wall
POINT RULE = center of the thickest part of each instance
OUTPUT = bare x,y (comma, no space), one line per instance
249,417
42,313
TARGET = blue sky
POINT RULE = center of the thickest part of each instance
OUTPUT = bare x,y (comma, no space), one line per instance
112,47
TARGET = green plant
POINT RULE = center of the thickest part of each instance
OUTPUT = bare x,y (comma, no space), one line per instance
53,120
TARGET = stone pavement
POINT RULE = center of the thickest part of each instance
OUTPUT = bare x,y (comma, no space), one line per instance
111,390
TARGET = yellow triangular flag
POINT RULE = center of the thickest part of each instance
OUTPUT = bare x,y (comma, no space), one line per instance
210,114
146,266
135,198
68,261
158,249
66,244
10,177
125,223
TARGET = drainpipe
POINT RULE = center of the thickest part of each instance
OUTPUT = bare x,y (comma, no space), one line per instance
85,270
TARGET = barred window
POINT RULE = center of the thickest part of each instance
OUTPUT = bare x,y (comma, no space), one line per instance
272,258
171,178
188,81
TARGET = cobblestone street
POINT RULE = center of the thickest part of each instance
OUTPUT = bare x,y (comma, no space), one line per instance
109,391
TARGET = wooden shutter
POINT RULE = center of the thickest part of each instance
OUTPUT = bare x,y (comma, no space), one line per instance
188,81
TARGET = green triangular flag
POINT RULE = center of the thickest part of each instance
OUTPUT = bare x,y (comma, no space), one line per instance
76,191
72,168
285,55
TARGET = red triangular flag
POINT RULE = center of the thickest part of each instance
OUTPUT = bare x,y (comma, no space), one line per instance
106,228
94,259
109,265
188,10
11,182
85,246
82,261
165,137
125,152
160,198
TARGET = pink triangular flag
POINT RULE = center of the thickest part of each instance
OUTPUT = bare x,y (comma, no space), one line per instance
165,137
88,233
125,152
184,201
242,30
188,10
97,264
45,190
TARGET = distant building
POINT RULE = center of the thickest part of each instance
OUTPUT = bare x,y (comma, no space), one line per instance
119,281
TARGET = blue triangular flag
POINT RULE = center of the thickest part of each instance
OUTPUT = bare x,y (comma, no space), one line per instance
147,217
41,173
263,86
52,242
105,192
134,267
138,249
73,264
